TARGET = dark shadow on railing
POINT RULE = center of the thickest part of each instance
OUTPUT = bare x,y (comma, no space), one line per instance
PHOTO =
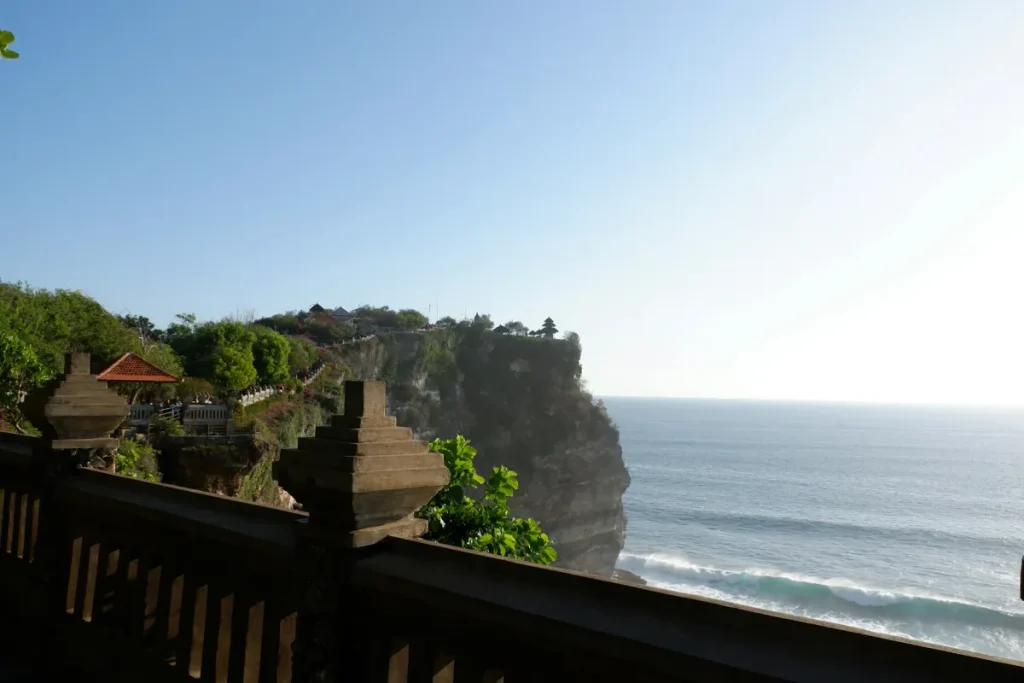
588,628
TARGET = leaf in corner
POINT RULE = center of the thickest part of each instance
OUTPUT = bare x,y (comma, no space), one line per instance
9,54
6,38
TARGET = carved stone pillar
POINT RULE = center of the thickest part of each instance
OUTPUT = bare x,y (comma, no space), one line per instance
361,478
78,412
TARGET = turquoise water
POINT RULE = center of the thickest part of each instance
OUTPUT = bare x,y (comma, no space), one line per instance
902,520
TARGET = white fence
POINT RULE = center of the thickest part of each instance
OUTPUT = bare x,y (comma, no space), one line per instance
206,418
256,396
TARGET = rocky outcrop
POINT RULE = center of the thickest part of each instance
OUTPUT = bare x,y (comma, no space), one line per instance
521,402
217,464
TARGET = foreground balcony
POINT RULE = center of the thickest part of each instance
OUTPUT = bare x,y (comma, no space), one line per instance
108,578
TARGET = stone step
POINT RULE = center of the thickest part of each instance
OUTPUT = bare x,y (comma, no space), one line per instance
339,448
363,422
368,435
358,463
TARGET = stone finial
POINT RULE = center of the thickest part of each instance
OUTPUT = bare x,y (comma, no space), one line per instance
76,364
78,411
362,476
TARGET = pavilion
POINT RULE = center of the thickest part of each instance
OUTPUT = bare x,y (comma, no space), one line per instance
131,367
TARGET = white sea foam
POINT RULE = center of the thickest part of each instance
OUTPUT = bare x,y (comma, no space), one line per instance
905,613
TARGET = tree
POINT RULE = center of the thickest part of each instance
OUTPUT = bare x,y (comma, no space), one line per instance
410,319
231,367
486,525
6,38
53,323
482,321
189,387
20,371
517,328
141,325
301,354
447,321
381,316
181,334
220,352
270,353
325,334
500,329
285,323
548,329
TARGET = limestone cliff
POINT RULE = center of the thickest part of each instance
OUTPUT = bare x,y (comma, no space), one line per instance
521,402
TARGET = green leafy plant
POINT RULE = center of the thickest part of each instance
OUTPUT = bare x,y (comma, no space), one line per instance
20,371
487,524
136,460
166,426
6,38
258,486
270,355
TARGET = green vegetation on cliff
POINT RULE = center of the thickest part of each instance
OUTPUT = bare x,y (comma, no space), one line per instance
485,524
137,460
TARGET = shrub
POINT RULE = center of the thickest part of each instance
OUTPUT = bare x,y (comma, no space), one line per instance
486,525
271,352
136,460
193,386
301,353
167,426
258,486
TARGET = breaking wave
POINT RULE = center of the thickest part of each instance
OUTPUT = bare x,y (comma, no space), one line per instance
896,612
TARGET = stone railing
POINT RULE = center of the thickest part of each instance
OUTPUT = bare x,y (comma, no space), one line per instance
252,397
115,578
196,417
141,413
307,377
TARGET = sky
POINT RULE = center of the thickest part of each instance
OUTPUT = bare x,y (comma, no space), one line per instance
789,200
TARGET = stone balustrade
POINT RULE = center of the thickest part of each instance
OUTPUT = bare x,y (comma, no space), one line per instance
250,398
141,412
111,578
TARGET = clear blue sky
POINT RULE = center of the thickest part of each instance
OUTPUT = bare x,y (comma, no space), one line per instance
814,200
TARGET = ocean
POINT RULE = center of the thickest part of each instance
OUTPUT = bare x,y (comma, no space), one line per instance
902,520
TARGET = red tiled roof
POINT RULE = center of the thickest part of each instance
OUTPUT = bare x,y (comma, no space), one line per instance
132,368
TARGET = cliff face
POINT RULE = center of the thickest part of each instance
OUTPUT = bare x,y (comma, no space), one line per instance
521,402
217,464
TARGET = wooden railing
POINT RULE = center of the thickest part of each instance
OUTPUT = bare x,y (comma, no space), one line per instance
452,609
127,577
108,578
152,579
189,579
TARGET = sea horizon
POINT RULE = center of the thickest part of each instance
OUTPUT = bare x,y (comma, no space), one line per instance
903,520
1012,407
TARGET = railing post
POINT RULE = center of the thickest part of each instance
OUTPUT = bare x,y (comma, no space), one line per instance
361,479
76,415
